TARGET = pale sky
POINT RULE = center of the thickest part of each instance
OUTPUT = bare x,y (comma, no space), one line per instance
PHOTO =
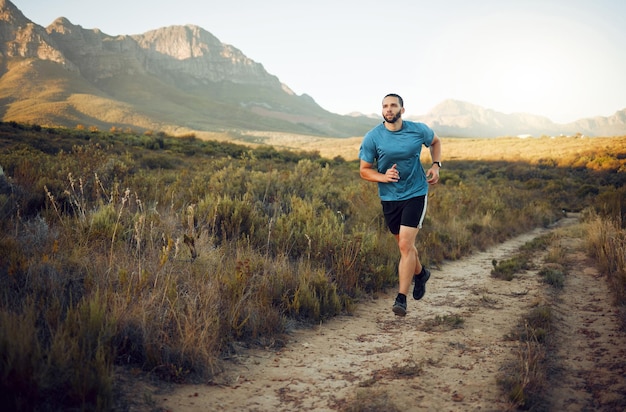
563,59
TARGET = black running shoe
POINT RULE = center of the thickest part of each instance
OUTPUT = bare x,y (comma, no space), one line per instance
399,308
419,290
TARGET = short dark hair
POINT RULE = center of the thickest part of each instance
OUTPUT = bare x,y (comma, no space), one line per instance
395,95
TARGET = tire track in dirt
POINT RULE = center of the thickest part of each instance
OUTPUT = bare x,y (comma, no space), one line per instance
591,353
417,366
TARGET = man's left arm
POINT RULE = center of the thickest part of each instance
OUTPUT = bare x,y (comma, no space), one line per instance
432,175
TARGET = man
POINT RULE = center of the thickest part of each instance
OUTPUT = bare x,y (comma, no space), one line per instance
395,146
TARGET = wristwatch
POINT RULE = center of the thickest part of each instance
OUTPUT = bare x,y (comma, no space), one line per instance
438,164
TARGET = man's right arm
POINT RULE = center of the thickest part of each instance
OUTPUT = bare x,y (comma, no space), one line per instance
369,173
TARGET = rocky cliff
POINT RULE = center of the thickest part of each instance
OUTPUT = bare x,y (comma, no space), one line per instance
22,38
177,52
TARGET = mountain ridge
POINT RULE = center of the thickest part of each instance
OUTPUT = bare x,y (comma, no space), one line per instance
182,78
463,119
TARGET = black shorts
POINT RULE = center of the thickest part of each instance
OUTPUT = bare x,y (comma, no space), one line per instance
408,212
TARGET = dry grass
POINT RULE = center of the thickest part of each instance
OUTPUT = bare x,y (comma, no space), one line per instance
158,253
524,380
368,400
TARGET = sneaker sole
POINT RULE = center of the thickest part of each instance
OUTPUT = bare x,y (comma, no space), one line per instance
399,311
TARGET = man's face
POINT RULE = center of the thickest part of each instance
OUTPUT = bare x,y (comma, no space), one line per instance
391,109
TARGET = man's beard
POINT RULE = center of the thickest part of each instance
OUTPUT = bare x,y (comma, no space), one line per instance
394,118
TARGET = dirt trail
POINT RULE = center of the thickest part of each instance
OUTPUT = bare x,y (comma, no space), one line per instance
421,368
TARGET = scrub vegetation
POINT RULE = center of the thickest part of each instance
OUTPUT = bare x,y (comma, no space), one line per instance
161,254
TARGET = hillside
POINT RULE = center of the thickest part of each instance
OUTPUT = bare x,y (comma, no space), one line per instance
173,79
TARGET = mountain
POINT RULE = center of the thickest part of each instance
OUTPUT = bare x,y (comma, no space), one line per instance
181,79
462,119
603,126
173,78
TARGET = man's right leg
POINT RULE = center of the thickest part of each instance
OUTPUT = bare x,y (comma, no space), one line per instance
409,259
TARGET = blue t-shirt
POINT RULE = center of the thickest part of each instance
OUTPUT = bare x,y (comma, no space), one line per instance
386,148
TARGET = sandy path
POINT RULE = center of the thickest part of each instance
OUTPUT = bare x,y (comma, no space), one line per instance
421,368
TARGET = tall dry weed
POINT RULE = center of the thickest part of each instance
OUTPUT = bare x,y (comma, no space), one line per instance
606,243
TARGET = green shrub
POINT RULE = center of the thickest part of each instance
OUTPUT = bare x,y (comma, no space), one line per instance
506,269
553,275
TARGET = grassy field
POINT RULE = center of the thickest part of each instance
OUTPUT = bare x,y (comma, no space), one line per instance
158,253
511,149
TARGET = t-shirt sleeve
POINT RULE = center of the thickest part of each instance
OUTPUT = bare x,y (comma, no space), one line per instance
367,152
428,133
